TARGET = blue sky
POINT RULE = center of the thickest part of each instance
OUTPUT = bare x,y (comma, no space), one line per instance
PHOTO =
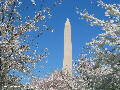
82,32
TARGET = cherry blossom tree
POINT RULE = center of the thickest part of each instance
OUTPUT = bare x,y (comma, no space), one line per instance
56,81
15,48
99,69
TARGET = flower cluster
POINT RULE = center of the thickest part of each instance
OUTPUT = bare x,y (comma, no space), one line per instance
101,70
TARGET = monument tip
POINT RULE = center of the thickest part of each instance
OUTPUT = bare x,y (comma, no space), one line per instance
67,19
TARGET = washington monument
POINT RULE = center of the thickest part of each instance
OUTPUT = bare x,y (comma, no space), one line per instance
67,62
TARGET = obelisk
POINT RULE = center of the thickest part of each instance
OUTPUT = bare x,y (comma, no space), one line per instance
67,62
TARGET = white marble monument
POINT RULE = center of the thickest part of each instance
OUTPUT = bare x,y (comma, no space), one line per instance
67,62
